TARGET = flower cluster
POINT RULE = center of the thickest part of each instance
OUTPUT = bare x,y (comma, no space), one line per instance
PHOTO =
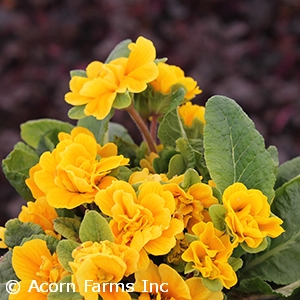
124,221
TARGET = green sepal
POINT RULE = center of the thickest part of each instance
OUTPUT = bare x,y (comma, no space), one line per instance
121,50
217,213
16,231
64,252
262,246
214,285
67,227
33,131
16,168
95,228
80,73
235,262
122,100
191,237
77,112
67,292
191,177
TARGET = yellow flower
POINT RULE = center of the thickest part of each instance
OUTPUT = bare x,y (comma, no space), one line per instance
209,255
147,162
104,81
188,112
144,175
33,262
2,244
163,282
139,67
249,216
74,171
170,75
192,205
41,213
97,266
142,221
200,292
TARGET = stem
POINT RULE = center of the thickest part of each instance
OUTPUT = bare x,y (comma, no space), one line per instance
142,127
153,126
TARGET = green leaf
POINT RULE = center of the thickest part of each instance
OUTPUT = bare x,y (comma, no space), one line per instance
187,152
122,100
170,129
218,212
16,168
176,166
95,228
234,150
64,252
33,131
80,73
50,240
254,285
17,230
6,269
287,171
280,262
161,163
77,112
66,291
98,127
6,273
67,227
121,50
116,130
191,237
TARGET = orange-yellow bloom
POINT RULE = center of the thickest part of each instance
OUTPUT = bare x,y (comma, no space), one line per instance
75,171
163,282
249,216
144,175
142,221
209,255
169,76
104,82
102,265
34,262
192,205
41,213
2,244
188,112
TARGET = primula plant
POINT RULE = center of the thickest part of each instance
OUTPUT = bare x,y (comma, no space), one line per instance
200,210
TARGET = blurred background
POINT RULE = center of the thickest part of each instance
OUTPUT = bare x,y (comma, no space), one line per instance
247,50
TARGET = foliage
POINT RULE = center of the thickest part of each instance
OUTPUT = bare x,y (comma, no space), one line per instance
201,203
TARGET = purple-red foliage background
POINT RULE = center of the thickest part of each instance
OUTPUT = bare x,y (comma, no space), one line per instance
247,50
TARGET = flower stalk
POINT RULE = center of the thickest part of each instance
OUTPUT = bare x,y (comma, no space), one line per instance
142,127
